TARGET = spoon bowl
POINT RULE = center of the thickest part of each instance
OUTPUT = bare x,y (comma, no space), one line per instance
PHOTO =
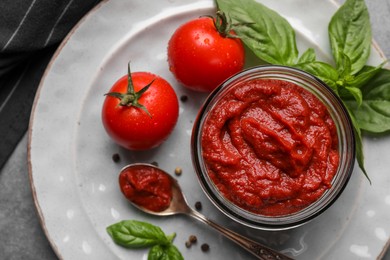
179,205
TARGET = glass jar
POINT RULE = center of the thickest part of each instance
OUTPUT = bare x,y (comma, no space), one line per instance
346,148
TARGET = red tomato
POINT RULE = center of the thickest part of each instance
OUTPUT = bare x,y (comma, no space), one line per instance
131,126
201,58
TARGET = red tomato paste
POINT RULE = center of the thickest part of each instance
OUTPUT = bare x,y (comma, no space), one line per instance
270,147
147,187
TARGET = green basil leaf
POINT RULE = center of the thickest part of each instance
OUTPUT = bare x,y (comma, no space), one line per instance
350,33
374,113
358,143
378,87
347,92
137,234
171,237
157,252
345,66
372,116
169,252
308,56
364,76
264,31
321,70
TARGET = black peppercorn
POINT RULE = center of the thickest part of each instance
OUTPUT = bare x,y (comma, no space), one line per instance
116,157
205,247
198,205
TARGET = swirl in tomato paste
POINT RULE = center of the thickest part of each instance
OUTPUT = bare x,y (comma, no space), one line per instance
270,147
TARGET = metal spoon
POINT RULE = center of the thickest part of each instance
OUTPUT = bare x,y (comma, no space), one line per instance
179,205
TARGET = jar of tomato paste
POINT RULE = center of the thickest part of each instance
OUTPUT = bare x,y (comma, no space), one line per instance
273,147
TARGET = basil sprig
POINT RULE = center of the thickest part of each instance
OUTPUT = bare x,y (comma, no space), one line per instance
137,234
364,89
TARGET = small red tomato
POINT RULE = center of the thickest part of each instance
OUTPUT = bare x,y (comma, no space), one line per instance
201,56
140,111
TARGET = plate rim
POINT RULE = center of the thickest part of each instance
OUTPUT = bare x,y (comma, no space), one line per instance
39,211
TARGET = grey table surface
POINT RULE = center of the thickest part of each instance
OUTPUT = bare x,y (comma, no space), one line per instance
21,236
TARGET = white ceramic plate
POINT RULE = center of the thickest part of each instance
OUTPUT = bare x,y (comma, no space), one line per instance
74,178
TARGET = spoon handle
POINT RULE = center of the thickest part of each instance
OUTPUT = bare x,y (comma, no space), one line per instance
258,250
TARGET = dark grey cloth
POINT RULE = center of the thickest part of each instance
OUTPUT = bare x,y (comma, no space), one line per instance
30,32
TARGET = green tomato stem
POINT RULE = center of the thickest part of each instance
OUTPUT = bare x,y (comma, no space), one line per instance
130,98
